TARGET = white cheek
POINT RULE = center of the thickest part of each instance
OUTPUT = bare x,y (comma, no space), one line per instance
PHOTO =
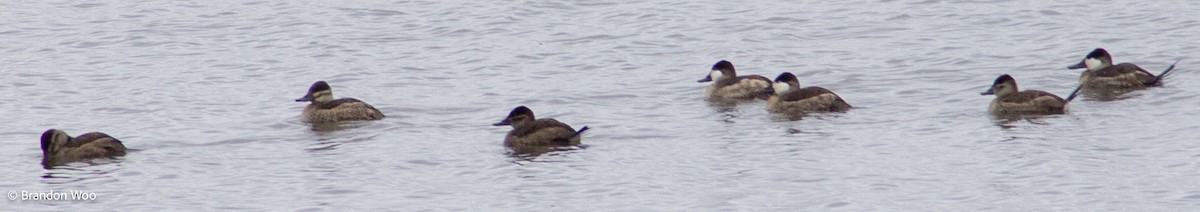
716,75
1093,64
780,87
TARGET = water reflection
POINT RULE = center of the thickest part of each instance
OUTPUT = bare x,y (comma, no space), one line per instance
1107,94
724,105
329,127
788,116
81,171
727,107
323,146
528,153
325,143
50,164
329,136
1008,121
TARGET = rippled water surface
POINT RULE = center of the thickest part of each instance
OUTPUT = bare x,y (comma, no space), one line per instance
202,93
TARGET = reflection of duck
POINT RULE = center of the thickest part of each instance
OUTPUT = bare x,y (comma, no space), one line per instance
787,95
530,132
326,109
1010,100
1101,73
727,84
59,148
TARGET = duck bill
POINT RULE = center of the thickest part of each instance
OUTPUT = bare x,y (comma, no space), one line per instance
1077,66
306,98
988,92
706,79
501,123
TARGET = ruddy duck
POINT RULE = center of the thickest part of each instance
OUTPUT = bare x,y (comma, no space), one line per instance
528,131
1101,73
1010,100
727,84
325,109
59,148
787,95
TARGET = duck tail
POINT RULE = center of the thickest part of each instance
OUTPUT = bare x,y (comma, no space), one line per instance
1164,74
1074,93
580,132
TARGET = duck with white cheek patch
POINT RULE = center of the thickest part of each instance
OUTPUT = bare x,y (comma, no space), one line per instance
1102,74
727,84
786,96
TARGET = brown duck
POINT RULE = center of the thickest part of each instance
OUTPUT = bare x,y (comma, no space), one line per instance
324,108
1101,73
59,148
727,84
1010,100
788,96
528,131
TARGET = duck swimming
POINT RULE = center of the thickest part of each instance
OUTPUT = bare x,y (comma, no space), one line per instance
323,108
1101,73
1010,100
59,148
787,95
727,84
528,131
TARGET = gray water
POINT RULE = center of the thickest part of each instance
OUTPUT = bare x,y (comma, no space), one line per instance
201,92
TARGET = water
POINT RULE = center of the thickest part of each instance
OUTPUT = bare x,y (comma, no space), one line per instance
202,93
